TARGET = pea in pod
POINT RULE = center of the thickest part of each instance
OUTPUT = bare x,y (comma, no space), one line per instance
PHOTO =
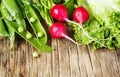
15,12
35,23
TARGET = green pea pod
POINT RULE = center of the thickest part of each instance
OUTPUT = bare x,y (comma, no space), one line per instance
24,33
28,36
3,31
15,12
36,24
70,6
11,33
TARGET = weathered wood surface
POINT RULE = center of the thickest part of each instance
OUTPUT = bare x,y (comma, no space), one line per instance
67,60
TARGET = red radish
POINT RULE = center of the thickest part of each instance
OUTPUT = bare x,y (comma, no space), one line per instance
80,14
58,30
59,12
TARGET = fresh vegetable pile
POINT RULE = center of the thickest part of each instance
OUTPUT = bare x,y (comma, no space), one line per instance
93,22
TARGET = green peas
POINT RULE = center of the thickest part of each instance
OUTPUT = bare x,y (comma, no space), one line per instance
14,21
40,34
33,41
24,33
28,36
35,54
35,23
32,19
20,29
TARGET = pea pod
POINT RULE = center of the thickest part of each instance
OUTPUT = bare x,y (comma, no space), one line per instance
3,31
28,36
11,33
24,33
35,24
15,12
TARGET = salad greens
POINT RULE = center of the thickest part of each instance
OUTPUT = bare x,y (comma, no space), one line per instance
104,24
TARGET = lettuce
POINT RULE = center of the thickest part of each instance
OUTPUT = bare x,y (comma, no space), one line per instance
104,24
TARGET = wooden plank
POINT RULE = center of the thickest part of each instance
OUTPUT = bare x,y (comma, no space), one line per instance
63,59
67,60
55,59
74,60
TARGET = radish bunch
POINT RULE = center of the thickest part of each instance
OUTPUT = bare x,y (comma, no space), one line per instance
60,13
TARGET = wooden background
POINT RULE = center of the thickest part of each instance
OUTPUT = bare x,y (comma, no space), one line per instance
67,60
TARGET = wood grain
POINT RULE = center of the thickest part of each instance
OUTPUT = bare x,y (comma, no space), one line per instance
67,60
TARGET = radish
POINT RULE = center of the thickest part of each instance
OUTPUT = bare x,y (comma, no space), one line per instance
80,15
59,12
58,30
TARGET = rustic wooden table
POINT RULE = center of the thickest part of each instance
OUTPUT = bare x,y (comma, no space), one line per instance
67,60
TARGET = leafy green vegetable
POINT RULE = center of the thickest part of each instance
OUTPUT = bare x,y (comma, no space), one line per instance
104,24
70,6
